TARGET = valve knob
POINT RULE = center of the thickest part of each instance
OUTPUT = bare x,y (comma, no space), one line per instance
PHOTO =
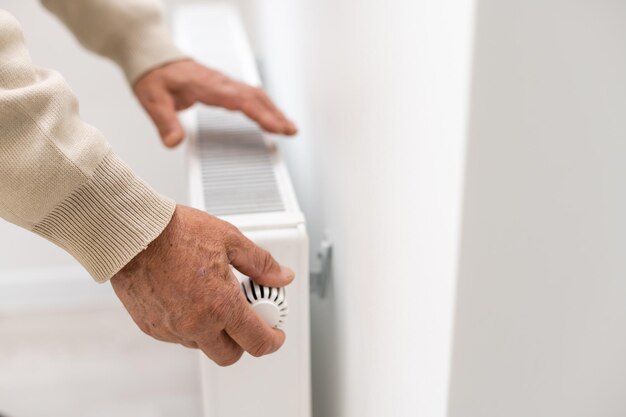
269,303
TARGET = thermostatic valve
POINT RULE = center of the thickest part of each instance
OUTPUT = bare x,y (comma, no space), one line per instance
269,303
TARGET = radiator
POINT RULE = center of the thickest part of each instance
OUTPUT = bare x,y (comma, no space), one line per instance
236,173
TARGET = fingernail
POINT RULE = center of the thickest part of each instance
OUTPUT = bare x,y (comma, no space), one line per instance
287,273
172,139
291,129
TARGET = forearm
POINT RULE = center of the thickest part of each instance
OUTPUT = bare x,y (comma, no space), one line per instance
58,175
130,32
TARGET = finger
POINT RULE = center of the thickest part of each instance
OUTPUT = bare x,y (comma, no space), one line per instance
261,109
253,102
220,348
250,331
164,336
257,263
258,111
288,127
161,108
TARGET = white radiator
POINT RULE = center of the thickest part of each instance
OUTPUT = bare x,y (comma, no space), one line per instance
236,173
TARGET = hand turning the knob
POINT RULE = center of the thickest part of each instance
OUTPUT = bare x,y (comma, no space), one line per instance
181,288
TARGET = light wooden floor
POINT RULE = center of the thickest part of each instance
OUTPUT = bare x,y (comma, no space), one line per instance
92,364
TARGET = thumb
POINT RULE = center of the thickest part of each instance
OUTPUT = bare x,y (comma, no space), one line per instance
161,108
258,264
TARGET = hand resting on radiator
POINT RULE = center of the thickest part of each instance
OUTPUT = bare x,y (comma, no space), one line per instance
178,85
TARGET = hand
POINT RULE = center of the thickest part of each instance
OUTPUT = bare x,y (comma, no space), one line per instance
181,288
178,85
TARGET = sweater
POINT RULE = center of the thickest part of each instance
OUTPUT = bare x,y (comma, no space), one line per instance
59,177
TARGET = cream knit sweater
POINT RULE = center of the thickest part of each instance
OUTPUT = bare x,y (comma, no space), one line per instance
58,175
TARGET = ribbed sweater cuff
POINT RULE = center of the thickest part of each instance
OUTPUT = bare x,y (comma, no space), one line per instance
108,220
144,48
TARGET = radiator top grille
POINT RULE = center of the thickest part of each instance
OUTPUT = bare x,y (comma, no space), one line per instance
236,165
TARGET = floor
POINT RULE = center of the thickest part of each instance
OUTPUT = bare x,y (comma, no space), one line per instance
86,363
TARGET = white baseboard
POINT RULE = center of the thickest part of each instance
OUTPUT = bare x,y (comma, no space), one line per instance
33,290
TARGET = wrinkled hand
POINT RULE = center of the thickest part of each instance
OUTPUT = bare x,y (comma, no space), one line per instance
181,288
178,85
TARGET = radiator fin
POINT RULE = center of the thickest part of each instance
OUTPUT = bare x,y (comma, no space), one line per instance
236,165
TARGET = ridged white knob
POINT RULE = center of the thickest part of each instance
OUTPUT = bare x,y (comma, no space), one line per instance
269,303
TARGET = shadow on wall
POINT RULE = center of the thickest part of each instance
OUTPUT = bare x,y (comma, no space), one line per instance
324,330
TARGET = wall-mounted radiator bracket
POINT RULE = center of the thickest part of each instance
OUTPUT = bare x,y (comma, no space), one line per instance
319,279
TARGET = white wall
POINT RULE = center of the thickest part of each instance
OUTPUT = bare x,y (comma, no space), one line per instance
380,90
107,103
540,312
541,316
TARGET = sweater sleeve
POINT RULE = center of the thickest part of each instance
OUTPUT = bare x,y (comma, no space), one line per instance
59,177
130,32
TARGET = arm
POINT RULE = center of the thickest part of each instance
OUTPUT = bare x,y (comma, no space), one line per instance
169,265
129,32
132,33
58,175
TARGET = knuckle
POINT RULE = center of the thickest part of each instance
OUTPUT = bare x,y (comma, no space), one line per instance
214,77
226,232
229,99
157,333
189,344
231,230
265,260
150,326
229,359
150,97
144,328
247,106
260,348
